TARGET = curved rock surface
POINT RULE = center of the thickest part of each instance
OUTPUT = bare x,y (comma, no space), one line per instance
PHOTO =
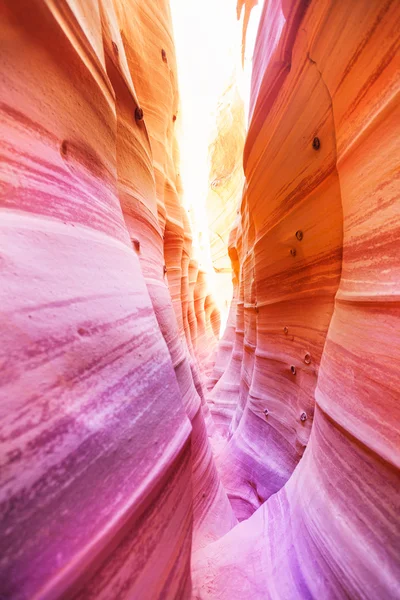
107,472
315,362
109,404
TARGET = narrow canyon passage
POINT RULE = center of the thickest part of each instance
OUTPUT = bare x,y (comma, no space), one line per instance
199,292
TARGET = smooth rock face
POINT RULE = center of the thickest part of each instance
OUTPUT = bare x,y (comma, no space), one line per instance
108,484
316,357
107,476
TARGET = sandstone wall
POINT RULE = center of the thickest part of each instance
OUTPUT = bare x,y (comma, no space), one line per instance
311,451
107,477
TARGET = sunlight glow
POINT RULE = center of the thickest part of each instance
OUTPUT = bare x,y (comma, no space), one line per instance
208,40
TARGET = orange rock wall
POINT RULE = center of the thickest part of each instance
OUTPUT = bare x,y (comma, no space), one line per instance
226,181
225,177
310,457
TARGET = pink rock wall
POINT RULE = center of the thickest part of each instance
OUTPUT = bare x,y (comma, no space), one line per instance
107,477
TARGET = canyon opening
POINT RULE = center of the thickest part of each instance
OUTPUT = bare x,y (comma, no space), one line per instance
200,300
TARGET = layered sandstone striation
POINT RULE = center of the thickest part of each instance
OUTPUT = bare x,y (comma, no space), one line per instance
310,457
107,481
109,405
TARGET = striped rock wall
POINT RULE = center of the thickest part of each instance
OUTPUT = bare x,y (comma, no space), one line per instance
107,478
309,451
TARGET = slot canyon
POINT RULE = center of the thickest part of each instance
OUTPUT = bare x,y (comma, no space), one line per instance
200,300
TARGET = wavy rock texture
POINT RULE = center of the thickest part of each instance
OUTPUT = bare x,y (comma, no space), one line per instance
226,181
109,488
315,360
107,472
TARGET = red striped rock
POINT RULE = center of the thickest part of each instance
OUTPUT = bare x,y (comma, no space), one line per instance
328,528
105,479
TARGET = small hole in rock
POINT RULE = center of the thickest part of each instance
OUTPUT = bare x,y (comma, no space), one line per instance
316,143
